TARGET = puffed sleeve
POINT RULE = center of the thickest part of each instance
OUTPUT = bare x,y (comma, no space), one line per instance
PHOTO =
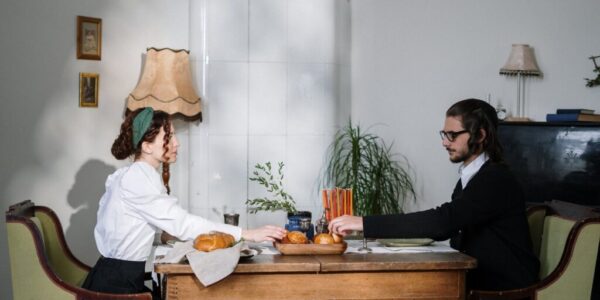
144,199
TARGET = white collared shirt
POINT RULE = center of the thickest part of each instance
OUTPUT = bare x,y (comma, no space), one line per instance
134,206
467,172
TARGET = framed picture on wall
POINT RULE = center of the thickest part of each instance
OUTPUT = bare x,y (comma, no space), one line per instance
89,38
88,89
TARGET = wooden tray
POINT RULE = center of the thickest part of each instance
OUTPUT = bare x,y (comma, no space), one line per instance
310,249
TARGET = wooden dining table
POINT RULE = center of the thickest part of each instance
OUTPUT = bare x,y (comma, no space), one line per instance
348,276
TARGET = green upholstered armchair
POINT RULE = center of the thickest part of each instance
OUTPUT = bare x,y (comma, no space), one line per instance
42,266
565,237
535,217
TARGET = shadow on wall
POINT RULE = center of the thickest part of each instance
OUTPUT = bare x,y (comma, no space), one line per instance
84,197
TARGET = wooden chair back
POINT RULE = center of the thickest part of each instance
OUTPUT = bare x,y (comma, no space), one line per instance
42,265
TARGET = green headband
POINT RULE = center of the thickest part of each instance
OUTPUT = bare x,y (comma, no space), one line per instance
141,123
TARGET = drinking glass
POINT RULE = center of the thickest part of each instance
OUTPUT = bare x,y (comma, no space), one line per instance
231,219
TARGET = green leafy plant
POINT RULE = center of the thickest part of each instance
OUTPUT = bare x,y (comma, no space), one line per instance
362,161
595,81
280,199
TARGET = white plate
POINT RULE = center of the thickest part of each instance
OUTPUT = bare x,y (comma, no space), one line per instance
404,242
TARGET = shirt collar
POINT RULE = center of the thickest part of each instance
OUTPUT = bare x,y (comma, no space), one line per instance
145,166
152,174
467,172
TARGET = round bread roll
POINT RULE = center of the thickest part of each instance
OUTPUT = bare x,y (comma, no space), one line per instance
211,241
338,239
324,238
295,237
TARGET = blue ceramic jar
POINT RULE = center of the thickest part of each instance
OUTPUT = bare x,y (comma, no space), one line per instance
301,221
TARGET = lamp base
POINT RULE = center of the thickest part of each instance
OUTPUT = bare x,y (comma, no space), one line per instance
517,119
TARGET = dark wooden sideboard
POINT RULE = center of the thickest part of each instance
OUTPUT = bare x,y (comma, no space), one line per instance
554,161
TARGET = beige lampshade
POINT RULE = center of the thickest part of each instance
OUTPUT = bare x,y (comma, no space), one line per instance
521,61
166,84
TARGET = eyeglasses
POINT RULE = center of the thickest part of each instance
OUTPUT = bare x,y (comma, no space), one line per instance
451,135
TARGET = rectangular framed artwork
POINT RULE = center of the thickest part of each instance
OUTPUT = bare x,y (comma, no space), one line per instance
89,84
89,38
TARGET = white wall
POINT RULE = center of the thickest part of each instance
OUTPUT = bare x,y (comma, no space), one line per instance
274,77
275,87
412,59
54,152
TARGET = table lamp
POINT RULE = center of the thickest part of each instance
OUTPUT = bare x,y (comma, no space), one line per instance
521,63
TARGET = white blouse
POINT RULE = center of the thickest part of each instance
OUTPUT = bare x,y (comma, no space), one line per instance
134,206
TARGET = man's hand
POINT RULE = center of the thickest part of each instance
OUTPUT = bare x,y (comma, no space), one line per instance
345,224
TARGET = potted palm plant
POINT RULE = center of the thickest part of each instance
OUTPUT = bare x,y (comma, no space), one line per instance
362,161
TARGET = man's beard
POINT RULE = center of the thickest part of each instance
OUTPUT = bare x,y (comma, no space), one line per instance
460,158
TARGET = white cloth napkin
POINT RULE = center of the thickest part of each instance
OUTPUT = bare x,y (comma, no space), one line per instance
209,267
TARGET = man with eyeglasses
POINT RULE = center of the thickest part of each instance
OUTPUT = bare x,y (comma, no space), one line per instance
486,215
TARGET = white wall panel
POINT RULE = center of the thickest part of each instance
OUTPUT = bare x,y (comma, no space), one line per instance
198,170
268,30
267,99
227,98
286,86
306,156
309,110
312,31
226,30
227,167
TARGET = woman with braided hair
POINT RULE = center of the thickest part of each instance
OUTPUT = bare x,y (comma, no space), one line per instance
136,204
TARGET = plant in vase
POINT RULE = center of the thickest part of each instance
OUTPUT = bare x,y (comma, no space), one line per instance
362,161
279,199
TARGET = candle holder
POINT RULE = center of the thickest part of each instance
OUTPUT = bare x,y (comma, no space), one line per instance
364,247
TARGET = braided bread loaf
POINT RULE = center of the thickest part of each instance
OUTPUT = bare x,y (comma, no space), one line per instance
211,241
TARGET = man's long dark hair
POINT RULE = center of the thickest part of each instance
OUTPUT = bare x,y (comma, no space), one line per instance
477,114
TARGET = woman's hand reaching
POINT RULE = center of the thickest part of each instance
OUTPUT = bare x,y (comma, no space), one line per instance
345,224
265,233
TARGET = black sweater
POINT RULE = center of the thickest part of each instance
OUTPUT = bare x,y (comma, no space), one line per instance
486,220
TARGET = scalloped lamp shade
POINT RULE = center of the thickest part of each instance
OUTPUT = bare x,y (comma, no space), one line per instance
166,84
521,61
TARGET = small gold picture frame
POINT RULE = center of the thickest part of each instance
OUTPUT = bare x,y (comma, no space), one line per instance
89,38
88,89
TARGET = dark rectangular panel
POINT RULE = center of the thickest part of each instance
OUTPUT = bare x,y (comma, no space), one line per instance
554,160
